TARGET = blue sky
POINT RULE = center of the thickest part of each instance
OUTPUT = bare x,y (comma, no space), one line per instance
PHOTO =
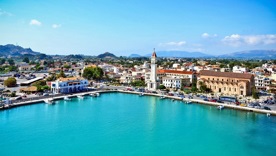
137,26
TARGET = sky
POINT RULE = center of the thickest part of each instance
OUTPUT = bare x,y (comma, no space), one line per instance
123,27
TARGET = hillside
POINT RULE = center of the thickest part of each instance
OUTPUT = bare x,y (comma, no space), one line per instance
106,55
252,54
13,50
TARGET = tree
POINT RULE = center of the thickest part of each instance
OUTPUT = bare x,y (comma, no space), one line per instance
61,74
10,82
138,83
93,73
161,87
67,66
26,59
11,61
254,93
194,88
2,61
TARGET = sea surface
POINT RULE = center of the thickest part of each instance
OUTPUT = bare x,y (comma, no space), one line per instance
124,124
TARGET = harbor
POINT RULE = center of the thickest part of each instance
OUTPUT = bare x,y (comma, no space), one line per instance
94,93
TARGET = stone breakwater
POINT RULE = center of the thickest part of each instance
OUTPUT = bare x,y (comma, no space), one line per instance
147,94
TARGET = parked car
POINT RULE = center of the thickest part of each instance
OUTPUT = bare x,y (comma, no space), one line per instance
205,99
45,94
267,108
213,100
18,98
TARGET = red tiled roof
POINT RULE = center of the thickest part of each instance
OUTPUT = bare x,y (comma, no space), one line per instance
225,74
163,71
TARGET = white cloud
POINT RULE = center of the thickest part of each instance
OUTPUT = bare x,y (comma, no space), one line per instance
238,40
180,43
206,35
35,22
5,13
56,26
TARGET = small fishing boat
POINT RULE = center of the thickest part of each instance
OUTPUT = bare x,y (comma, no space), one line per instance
66,98
141,94
98,94
80,96
220,107
49,101
93,94
162,97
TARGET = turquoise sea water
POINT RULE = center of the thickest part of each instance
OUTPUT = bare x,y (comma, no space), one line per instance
125,124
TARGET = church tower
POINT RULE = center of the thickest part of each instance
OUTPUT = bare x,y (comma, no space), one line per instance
152,84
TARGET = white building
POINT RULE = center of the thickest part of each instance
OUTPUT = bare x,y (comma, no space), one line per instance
152,84
69,85
175,82
239,69
262,82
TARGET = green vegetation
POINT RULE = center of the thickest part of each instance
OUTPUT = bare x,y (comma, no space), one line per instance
53,77
95,73
61,74
254,93
41,85
26,59
138,83
161,87
194,88
10,82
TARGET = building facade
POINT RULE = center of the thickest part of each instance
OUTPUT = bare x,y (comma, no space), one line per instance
262,82
69,85
227,83
175,83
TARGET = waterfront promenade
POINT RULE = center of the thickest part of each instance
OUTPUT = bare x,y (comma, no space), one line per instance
28,101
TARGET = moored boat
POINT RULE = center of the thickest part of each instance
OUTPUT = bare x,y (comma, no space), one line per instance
67,98
220,107
49,101
80,96
93,94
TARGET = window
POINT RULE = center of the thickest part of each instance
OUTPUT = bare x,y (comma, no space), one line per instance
221,79
224,88
230,89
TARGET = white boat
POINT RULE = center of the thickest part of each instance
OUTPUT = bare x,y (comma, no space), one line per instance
93,94
67,98
80,96
220,107
141,94
189,101
98,94
162,97
49,101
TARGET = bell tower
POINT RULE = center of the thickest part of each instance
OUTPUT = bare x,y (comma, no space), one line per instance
152,84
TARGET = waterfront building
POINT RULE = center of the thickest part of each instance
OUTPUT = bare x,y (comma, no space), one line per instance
227,83
175,73
69,85
262,82
175,83
152,84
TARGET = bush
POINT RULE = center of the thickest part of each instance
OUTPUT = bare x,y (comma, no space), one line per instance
10,82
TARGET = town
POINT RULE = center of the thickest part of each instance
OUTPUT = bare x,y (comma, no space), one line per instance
247,83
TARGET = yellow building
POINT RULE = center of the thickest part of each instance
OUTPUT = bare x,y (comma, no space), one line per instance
227,83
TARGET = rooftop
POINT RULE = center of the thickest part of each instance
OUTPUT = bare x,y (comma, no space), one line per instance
225,74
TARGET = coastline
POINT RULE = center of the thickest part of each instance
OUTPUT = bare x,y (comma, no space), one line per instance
262,111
